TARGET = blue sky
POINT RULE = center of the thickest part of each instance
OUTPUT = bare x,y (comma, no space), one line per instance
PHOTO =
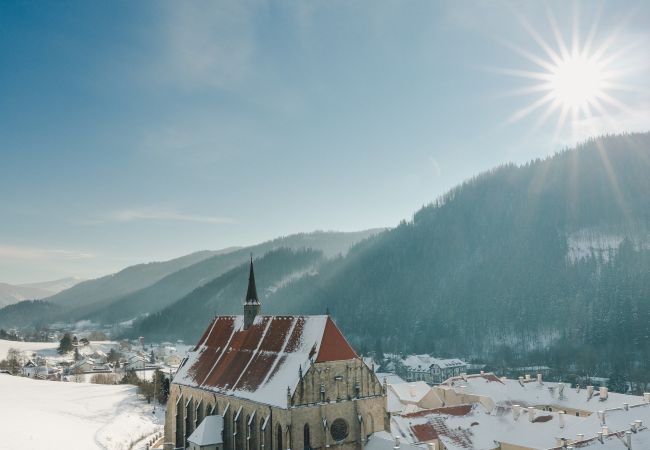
139,131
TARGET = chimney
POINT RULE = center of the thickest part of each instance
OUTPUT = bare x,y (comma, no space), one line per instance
626,406
560,418
590,392
482,373
516,409
639,424
628,440
521,380
601,416
396,442
600,436
605,430
581,437
539,378
531,413
646,397
560,389
603,393
527,377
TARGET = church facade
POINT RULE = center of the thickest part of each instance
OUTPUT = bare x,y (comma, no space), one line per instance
277,383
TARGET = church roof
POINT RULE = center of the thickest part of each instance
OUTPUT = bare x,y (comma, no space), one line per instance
260,362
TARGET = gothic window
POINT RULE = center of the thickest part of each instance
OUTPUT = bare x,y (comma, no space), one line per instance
322,393
306,438
279,437
339,430
357,390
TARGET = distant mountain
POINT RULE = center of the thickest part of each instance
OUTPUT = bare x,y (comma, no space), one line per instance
547,262
147,288
10,293
180,283
123,282
55,286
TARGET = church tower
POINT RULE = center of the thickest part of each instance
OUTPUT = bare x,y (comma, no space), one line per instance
252,306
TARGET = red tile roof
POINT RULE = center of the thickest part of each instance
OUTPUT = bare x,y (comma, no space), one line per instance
260,362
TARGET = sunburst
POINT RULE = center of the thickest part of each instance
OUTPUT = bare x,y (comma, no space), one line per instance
572,82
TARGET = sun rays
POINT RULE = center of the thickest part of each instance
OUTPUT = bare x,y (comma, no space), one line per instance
572,82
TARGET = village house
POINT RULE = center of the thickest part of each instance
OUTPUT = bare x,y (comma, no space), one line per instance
276,382
432,370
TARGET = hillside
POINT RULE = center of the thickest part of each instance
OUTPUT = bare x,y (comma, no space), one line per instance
147,288
125,281
188,317
548,261
180,283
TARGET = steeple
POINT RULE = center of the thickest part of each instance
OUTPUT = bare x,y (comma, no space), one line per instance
251,294
252,305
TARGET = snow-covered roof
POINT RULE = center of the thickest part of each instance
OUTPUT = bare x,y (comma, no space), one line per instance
615,419
410,392
390,378
531,392
424,362
261,362
382,440
209,432
473,427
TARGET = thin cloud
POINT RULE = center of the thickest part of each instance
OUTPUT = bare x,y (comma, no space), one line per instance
38,253
155,214
206,45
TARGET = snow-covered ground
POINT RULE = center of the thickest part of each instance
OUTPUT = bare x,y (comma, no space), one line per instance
25,347
48,414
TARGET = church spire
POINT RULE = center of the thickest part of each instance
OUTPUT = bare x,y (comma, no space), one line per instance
252,305
251,294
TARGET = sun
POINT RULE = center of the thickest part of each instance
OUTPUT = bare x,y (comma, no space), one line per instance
577,82
574,82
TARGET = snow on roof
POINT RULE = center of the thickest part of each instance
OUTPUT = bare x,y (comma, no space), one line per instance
533,393
209,432
410,392
613,441
382,440
424,362
261,362
616,419
473,427
391,378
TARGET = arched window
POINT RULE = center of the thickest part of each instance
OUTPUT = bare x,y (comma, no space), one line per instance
279,437
306,438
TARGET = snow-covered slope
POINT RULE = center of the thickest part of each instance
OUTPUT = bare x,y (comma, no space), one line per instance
25,347
51,414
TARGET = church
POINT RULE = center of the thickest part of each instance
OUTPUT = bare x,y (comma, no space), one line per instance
257,382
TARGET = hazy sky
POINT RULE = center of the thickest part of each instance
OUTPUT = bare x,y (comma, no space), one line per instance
139,131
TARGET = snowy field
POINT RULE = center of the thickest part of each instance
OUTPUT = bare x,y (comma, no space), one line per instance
26,347
77,416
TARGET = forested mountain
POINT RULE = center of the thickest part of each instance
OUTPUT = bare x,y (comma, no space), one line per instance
548,261
180,283
224,294
146,288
